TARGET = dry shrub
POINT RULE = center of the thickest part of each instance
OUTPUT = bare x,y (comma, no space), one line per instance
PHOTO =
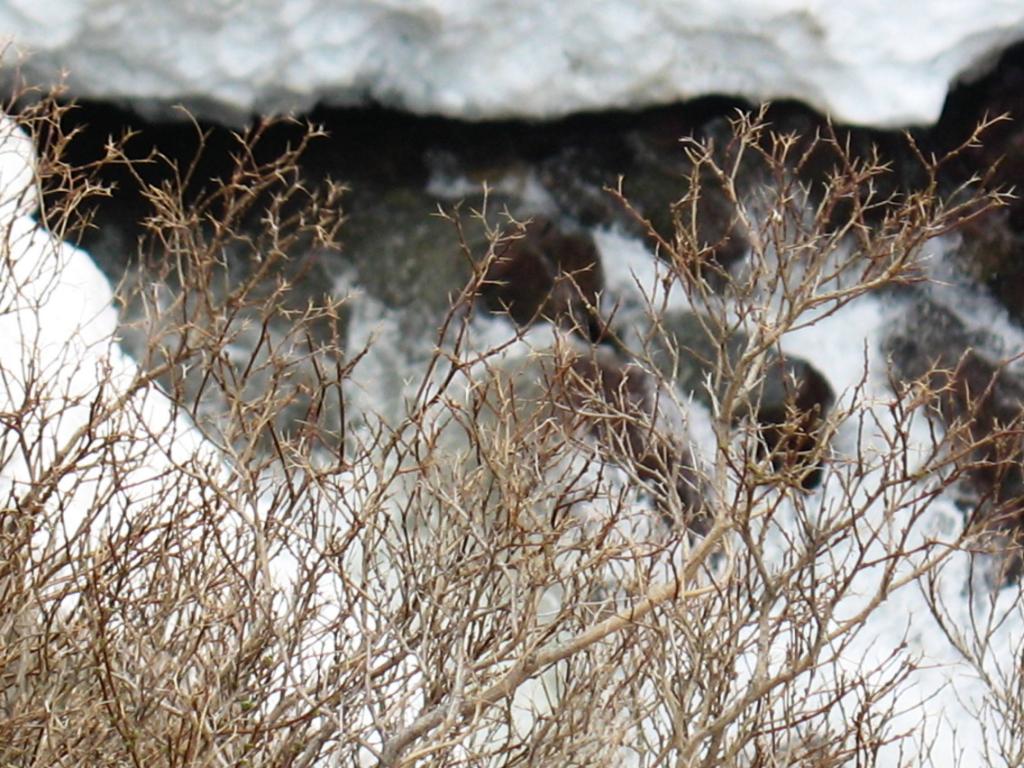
528,566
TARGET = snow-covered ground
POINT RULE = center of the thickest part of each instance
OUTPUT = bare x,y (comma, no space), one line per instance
944,704
96,459
864,61
62,365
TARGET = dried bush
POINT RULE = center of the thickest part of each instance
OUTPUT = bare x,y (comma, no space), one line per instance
534,563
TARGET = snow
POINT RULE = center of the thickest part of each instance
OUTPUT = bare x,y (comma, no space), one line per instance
865,61
96,453
944,705
944,693
62,370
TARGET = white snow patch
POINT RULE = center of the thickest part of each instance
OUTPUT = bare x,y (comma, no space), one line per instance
864,61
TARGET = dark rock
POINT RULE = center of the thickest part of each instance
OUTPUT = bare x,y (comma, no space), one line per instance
632,426
981,402
789,406
930,336
660,178
990,401
548,274
819,152
992,252
576,177
401,253
992,247
656,175
792,403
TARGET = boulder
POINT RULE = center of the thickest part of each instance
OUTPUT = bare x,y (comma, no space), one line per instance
976,390
401,253
589,405
991,251
548,274
793,401
619,404
646,153
788,407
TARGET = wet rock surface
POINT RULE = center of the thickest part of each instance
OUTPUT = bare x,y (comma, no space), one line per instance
991,252
980,381
982,399
548,274
402,252
648,162
789,406
637,424
992,248
398,170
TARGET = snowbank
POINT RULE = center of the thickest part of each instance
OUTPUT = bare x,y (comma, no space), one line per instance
84,440
865,61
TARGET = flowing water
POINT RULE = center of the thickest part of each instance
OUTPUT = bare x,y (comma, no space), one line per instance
398,267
